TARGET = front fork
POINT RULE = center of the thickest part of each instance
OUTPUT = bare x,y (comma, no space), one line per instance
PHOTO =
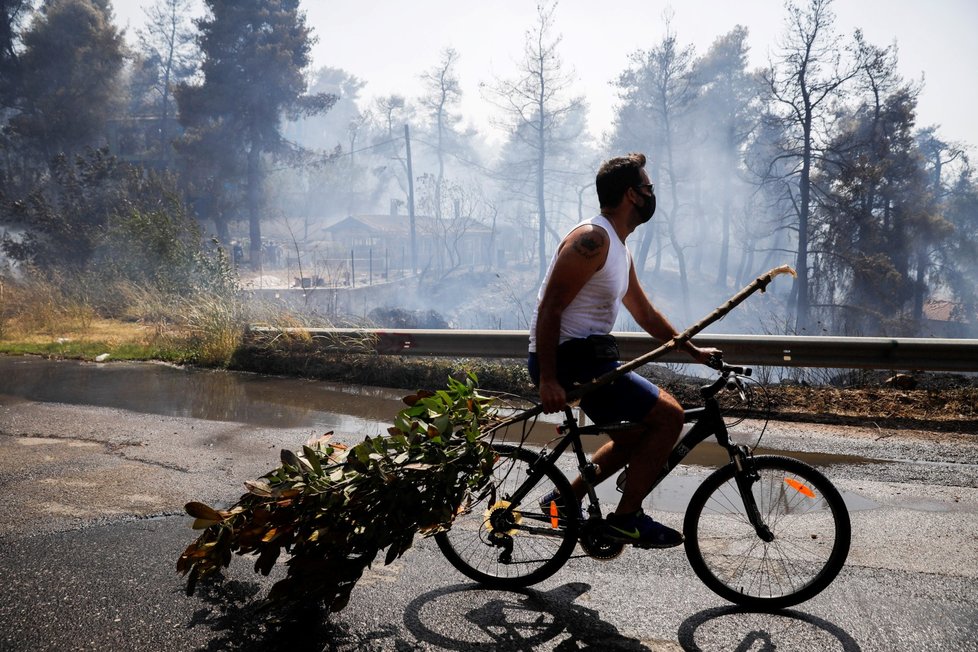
746,475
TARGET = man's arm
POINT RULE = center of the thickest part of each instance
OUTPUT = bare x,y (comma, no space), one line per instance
654,322
582,253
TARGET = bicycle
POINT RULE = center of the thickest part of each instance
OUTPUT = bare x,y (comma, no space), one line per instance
762,531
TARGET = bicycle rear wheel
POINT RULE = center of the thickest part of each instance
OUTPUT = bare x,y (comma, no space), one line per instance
507,545
806,516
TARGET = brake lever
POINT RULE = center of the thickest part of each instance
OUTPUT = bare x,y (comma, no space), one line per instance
734,383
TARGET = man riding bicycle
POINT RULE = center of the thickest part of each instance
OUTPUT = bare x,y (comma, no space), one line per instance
590,276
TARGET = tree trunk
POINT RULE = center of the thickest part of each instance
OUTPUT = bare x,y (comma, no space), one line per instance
642,254
724,257
541,199
701,236
221,227
658,253
920,289
671,230
254,204
411,217
802,301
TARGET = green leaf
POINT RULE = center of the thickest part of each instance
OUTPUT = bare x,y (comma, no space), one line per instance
313,459
289,458
362,454
443,424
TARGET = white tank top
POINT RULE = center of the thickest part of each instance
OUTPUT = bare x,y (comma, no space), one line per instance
595,308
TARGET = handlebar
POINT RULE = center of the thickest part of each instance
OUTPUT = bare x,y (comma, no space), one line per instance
728,373
729,369
716,362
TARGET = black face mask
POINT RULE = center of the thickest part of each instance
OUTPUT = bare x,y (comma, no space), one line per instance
647,209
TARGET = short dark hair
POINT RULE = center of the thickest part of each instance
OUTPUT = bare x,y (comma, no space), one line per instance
616,176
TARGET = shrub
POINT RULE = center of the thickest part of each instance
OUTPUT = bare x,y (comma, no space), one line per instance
334,509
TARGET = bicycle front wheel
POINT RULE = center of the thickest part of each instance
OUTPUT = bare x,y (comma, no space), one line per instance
505,544
809,534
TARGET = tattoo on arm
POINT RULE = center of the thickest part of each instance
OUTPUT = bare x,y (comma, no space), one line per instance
589,244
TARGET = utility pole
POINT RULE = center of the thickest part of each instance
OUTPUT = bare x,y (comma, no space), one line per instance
410,175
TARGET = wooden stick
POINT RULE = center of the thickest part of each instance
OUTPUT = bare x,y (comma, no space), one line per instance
760,283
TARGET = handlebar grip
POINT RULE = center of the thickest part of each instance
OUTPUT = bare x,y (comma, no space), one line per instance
716,362
740,371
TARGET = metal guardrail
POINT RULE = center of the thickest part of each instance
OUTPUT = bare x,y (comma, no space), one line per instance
924,354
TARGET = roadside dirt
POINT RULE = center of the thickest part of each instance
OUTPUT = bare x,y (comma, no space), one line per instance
925,402
938,405
945,410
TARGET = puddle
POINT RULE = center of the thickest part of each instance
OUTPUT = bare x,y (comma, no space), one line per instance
292,402
285,402
675,491
201,394
707,453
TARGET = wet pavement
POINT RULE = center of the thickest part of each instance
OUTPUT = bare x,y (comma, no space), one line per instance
97,460
287,402
151,388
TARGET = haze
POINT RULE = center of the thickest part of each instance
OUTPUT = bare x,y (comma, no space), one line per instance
389,44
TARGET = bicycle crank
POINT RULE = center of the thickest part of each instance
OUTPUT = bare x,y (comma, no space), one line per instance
595,544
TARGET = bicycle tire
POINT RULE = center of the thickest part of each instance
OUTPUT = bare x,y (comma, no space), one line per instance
540,545
805,513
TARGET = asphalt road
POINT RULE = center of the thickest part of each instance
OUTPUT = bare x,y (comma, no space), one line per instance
91,526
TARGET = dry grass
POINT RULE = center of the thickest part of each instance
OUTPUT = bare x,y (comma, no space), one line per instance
35,308
42,319
119,340
205,329
107,331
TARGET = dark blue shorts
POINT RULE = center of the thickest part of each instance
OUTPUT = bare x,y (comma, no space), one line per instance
629,398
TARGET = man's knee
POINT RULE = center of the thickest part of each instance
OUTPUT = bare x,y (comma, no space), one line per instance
667,414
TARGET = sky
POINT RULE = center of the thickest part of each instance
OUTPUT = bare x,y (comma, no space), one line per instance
390,43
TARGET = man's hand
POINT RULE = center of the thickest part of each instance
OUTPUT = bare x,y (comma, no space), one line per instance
552,396
709,356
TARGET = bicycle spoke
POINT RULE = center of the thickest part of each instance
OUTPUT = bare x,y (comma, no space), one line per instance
511,545
810,531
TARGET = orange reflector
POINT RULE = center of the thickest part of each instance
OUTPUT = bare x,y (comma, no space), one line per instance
553,514
799,487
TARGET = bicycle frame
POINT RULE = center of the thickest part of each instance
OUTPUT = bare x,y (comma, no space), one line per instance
707,422
517,532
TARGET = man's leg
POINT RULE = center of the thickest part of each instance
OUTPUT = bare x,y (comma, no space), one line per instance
629,523
649,453
645,449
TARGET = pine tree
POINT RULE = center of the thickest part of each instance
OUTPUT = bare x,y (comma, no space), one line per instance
254,55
